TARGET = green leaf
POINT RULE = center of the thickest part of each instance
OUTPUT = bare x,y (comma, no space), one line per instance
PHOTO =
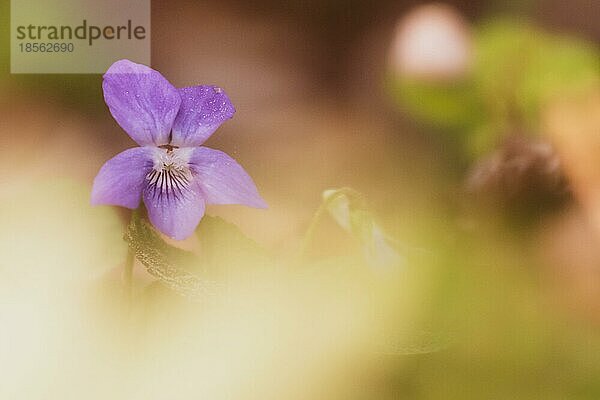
224,247
178,269
348,208
561,67
453,105
519,67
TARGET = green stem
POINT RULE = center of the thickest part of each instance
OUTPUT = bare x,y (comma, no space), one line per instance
128,268
312,227
318,216
128,274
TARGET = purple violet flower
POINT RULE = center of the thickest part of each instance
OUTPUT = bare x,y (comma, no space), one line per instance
174,175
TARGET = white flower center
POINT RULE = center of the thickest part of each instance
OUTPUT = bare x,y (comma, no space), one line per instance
171,175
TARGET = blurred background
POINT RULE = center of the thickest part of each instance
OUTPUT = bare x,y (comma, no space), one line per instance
471,129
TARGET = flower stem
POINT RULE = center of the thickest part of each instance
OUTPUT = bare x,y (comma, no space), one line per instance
310,231
128,274
318,216
128,268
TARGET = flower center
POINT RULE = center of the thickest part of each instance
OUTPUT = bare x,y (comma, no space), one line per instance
168,147
171,175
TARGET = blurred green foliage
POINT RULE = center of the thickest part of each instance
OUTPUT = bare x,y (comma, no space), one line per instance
509,339
517,68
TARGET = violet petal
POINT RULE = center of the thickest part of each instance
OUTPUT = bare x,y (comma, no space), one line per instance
142,101
203,109
222,179
175,214
122,178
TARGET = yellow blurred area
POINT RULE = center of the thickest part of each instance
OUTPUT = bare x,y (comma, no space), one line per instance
280,332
